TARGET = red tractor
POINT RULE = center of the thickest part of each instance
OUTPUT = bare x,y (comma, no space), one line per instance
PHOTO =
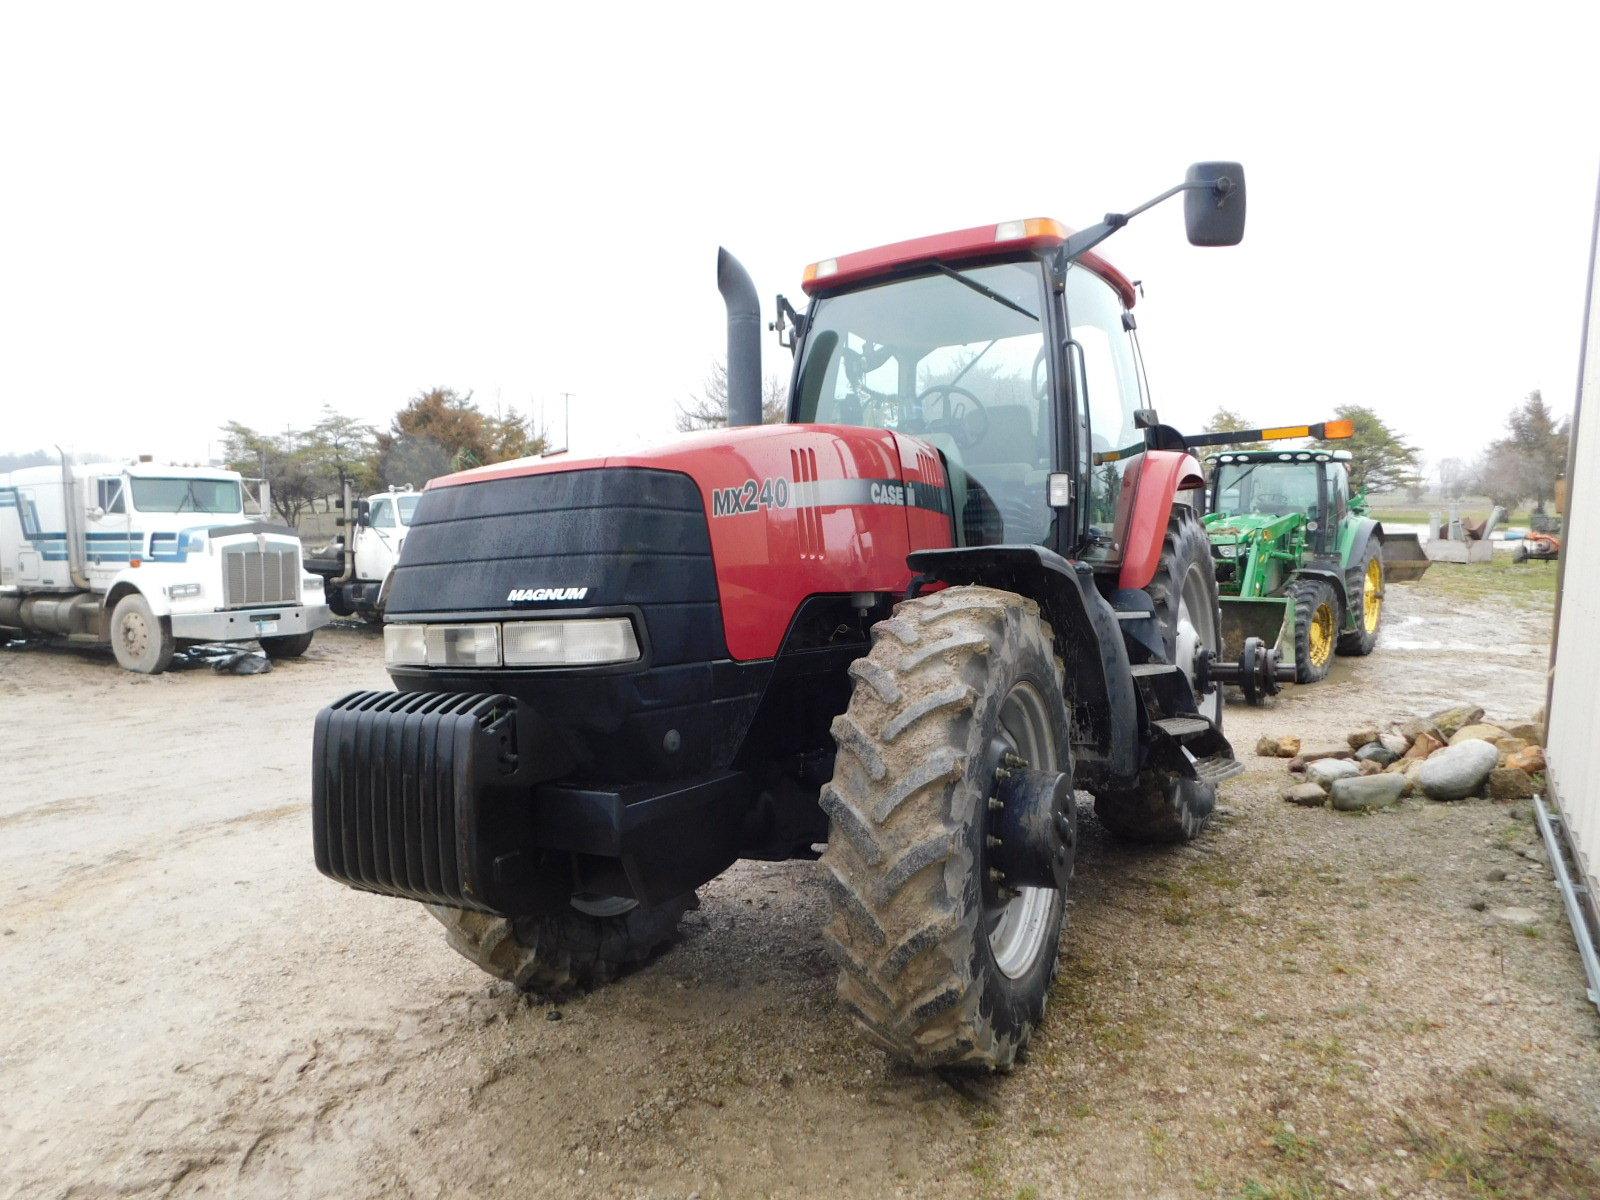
964,581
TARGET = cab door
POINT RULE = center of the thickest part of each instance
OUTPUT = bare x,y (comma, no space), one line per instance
109,543
377,542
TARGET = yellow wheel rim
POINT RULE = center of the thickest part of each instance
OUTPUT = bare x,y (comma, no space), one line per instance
1322,634
1372,596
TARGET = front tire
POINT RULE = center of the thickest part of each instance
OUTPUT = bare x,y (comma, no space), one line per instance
553,956
140,640
290,645
938,962
1316,628
1365,588
1165,807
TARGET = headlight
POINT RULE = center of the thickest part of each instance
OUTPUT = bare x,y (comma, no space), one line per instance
583,642
404,646
179,591
1227,551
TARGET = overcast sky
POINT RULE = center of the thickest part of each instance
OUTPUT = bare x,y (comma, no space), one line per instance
218,212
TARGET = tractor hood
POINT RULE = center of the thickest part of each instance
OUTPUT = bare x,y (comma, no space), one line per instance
724,533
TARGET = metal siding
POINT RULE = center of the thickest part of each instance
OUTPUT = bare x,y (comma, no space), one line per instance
1574,718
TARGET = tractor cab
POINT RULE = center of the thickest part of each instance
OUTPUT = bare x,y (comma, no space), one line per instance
967,341
1302,490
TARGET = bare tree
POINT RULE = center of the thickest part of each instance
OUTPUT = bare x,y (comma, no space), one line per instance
708,409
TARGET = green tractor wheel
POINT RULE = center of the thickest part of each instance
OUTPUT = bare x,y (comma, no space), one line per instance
1364,585
1316,628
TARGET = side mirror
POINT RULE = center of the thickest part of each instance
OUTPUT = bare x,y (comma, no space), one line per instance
363,513
96,512
1145,418
1213,204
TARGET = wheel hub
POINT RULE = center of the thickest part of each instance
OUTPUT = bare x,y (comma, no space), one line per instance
1033,827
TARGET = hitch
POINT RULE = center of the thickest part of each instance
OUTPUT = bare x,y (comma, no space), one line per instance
1257,672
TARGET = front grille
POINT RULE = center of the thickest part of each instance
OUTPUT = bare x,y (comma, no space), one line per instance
252,576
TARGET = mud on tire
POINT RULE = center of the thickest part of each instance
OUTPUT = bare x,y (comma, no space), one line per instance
913,902
562,953
1314,601
1359,642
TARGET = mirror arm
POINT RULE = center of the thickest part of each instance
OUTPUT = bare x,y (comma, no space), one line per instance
1087,239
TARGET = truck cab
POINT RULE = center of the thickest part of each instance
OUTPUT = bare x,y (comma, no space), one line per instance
148,556
358,564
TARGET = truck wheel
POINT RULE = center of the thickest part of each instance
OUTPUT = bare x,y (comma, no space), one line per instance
1366,582
1316,628
939,963
291,645
140,640
583,946
1164,807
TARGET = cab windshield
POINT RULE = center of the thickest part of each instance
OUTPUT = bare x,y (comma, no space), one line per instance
187,495
1268,488
406,505
955,358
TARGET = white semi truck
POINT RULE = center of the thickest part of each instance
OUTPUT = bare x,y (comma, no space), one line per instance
358,564
147,556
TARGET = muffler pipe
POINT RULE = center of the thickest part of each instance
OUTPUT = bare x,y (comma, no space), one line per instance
744,340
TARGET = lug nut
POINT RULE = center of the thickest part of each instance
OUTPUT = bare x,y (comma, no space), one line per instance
996,804
997,876
993,842
1013,760
1001,773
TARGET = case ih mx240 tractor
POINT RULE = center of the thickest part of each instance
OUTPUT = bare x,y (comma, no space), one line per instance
967,578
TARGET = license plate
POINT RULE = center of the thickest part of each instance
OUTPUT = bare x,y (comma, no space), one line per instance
266,627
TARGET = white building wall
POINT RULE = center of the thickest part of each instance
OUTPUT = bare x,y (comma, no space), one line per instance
1574,717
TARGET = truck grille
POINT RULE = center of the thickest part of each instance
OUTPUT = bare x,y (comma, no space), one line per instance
253,576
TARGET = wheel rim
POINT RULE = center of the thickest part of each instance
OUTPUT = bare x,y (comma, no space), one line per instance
1372,596
1018,927
135,635
1321,634
1196,630
603,906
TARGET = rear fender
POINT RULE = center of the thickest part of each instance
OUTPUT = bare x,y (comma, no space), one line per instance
1153,481
1356,537
1098,682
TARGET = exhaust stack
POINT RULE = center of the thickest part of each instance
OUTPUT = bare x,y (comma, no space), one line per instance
744,340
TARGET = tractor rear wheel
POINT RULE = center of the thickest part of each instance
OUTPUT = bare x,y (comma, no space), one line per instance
1364,586
940,962
589,943
1316,628
1164,806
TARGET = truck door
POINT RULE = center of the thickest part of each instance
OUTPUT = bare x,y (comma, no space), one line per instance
377,541
20,537
109,543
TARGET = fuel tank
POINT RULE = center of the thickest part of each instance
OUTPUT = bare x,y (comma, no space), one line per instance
787,512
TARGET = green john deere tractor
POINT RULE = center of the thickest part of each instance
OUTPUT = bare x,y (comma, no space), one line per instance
1300,563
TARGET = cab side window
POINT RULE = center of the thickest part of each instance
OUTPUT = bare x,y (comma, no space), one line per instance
109,496
1338,491
1111,377
382,515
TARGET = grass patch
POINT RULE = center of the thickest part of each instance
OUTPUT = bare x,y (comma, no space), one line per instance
1499,579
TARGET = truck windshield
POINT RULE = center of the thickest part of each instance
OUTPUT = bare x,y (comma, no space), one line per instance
407,505
1268,488
187,495
955,358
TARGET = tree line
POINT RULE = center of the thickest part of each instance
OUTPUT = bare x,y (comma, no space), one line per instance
436,432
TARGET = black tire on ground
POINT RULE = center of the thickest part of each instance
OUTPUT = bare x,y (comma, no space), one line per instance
1364,585
571,951
937,964
140,640
1165,807
1519,552
1316,628
290,645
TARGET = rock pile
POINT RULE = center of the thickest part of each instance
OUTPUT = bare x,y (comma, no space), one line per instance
1452,754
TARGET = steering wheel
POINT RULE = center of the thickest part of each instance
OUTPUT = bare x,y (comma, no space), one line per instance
964,416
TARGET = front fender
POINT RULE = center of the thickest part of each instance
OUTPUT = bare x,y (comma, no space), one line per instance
1149,487
140,580
1098,681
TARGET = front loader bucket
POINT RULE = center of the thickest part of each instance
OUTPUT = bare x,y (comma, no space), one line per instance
1271,619
1403,559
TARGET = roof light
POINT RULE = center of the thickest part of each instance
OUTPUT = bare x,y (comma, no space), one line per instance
1339,429
821,270
1303,456
1033,227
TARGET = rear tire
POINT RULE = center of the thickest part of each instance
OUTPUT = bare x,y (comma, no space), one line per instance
1316,628
1164,807
936,964
1365,587
140,640
291,645
556,955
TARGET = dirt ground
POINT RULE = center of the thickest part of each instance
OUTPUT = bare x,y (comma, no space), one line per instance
1303,1003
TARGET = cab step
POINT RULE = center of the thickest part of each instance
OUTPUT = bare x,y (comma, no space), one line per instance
1181,729
1217,767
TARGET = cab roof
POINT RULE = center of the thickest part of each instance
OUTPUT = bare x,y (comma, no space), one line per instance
1285,456
1035,233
